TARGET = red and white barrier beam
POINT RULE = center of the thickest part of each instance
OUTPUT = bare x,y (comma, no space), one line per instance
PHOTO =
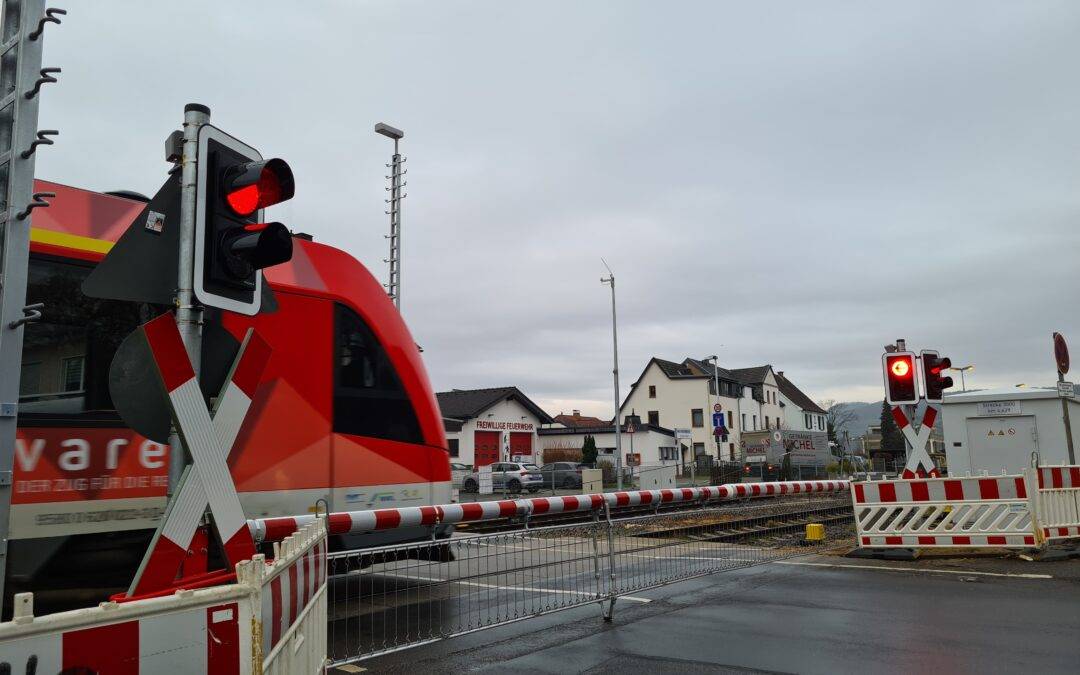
356,522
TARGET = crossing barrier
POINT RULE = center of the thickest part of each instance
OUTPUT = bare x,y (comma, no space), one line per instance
1021,511
272,620
355,522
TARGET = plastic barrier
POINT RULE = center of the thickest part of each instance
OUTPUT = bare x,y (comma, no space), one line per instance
224,629
944,512
1058,502
1015,511
353,522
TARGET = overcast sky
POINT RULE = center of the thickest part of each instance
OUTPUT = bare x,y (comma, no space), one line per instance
793,183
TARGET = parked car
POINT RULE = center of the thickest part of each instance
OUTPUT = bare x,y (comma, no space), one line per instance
515,476
561,475
458,472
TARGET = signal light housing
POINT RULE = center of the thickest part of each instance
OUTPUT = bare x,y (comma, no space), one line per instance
933,365
232,241
900,383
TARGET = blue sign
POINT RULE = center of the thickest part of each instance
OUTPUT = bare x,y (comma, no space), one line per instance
718,419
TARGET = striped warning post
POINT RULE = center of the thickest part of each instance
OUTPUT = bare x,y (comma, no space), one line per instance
208,480
1059,477
354,522
949,541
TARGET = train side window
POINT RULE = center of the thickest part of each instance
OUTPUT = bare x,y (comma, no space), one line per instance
369,399
66,355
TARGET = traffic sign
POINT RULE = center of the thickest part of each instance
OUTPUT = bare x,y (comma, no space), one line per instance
718,419
720,431
1061,353
629,426
1065,389
683,434
717,407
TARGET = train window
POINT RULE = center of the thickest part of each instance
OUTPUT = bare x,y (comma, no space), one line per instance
369,399
67,354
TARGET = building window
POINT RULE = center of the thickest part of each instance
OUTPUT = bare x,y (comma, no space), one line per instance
806,421
697,419
71,374
777,422
668,453
699,449
767,421
743,421
30,379
654,418
755,422
369,399
730,420
652,391
454,447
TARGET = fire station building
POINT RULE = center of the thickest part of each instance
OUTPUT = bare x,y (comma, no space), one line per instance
491,425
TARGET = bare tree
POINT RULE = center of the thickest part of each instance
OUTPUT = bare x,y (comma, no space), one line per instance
837,416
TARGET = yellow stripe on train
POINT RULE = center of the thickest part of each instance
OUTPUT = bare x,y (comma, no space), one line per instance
69,240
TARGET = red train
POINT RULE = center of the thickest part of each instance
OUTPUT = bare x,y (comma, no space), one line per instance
344,413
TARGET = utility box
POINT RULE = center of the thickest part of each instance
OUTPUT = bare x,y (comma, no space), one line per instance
592,480
995,431
657,477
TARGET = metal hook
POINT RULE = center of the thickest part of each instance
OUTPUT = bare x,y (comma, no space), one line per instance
31,313
41,140
45,78
38,200
50,17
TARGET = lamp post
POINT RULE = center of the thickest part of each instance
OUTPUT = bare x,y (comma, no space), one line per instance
610,281
962,370
393,283
716,383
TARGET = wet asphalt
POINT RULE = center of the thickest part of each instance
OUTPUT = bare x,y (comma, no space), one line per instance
812,614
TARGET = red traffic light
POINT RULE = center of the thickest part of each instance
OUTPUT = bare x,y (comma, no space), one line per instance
933,367
900,386
256,185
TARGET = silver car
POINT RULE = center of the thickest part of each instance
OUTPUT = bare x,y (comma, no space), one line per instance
514,476
458,472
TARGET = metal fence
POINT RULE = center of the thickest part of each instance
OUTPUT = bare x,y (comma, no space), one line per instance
390,598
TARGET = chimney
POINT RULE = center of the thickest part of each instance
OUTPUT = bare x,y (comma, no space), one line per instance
577,413
780,373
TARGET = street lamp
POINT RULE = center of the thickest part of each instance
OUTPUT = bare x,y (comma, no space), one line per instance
393,284
716,383
610,281
962,370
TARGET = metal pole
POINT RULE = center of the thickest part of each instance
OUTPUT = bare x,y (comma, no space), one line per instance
1068,425
963,384
716,383
610,280
20,67
188,311
395,227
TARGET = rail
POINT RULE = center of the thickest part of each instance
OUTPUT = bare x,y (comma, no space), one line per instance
355,522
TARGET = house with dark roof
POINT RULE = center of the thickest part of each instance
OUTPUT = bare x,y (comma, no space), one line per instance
800,411
576,419
699,395
491,425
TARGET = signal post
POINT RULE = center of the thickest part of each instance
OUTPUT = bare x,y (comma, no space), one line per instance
904,371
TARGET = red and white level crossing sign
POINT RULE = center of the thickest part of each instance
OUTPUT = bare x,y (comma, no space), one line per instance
919,464
208,440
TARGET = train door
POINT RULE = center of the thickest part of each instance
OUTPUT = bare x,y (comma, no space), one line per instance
486,448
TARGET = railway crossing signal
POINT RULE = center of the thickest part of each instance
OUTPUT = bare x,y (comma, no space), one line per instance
933,367
232,240
900,384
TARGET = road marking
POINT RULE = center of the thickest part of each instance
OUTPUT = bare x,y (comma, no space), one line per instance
912,569
531,589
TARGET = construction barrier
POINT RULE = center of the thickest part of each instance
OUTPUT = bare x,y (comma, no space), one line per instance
272,620
1014,511
1058,501
355,522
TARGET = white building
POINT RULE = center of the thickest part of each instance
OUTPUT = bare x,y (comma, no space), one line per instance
996,430
684,395
800,412
491,425
648,445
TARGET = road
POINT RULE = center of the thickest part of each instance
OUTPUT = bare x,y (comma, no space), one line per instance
812,614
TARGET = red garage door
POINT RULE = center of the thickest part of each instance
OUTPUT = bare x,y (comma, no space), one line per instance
521,444
486,447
